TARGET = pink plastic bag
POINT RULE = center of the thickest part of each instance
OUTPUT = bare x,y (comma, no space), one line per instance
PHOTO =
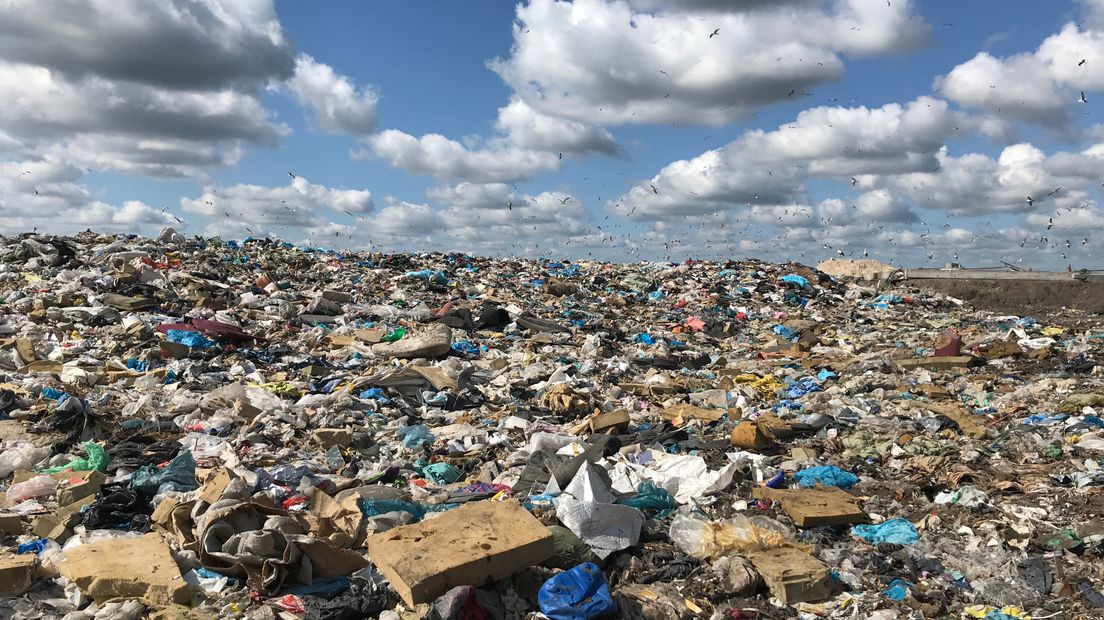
35,487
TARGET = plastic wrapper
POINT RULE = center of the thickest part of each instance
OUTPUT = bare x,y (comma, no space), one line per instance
96,460
177,475
34,487
703,538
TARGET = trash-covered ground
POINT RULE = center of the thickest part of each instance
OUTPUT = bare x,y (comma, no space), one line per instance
198,428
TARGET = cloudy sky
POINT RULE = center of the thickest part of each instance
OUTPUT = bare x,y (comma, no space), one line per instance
915,131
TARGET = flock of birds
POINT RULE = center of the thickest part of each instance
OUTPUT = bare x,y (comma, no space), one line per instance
716,237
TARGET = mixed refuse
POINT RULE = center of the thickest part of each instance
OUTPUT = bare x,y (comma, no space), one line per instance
199,428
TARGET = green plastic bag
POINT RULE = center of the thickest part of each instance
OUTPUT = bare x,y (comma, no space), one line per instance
178,475
393,335
441,473
651,500
97,459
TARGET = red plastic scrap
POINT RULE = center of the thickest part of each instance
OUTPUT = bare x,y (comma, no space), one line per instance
213,329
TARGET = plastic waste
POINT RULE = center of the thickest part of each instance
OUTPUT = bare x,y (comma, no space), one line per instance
194,340
897,531
577,594
416,436
652,500
375,507
898,590
827,475
703,538
21,456
442,473
177,475
33,487
795,279
97,460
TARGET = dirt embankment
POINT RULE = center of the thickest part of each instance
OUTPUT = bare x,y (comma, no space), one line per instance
1021,297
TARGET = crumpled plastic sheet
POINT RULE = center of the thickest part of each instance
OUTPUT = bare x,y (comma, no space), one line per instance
897,531
586,508
825,474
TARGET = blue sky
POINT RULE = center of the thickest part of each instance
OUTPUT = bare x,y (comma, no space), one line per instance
346,92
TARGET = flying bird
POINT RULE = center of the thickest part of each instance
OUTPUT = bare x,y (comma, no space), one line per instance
854,181
1054,191
291,175
1082,99
655,190
715,33
1030,201
1081,63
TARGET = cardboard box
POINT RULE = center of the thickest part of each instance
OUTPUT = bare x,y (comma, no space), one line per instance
792,575
128,568
470,545
823,505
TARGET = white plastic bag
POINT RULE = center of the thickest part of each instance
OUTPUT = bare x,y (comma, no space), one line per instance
21,456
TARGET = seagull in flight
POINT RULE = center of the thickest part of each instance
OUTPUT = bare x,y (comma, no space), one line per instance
1054,191
854,181
1082,99
291,175
655,190
1030,201
715,33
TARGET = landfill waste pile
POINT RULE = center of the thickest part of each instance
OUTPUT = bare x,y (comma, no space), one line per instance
199,428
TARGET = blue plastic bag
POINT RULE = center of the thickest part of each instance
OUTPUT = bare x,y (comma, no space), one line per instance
826,474
374,507
414,437
802,387
897,591
375,394
33,546
194,340
578,594
466,348
897,531
793,278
